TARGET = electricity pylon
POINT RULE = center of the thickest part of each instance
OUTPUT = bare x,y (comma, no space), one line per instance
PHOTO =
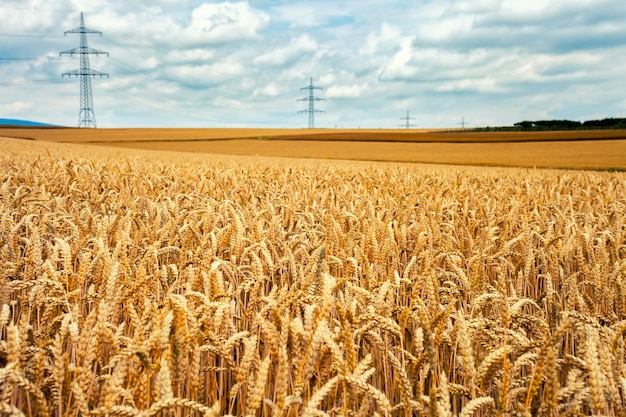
311,99
463,123
407,120
86,116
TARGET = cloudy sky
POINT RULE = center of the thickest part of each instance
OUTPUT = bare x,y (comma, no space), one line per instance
195,63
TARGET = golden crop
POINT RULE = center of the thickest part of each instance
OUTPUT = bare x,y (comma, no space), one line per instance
147,284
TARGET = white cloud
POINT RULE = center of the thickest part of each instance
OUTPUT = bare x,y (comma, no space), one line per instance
280,56
465,7
270,90
310,14
225,22
207,25
16,108
388,36
399,67
525,8
483,85
150,63
208,74
90,6
346,91
188,56
439,30
35,17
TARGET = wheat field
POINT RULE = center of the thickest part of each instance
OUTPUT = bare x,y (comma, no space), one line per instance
139,283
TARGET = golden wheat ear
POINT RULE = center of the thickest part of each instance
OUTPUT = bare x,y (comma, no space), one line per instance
136,284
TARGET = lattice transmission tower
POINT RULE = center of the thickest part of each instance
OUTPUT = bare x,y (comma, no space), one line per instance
311,110
407,121
86,116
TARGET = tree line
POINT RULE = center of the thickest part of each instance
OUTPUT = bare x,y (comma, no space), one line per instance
608,123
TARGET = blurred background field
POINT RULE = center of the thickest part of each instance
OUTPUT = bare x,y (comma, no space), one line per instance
586,149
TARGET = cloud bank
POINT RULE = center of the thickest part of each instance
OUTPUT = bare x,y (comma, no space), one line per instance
242,63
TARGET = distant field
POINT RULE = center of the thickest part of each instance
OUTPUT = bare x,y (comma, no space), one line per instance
576,155
73,135
602,149
459,136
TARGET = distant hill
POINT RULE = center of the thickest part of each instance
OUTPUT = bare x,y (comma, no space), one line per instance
17,122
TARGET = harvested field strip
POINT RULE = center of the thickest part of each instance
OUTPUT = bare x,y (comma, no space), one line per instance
74,135
462,136
599,155
324,135
600,150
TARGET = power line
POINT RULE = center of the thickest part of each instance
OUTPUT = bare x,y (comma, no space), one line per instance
21,83
407,121
17,35
311,99
133,71
86,116
51,58
30,9
182,90
149,76
189,92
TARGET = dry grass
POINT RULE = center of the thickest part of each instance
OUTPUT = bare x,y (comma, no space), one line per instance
147,284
